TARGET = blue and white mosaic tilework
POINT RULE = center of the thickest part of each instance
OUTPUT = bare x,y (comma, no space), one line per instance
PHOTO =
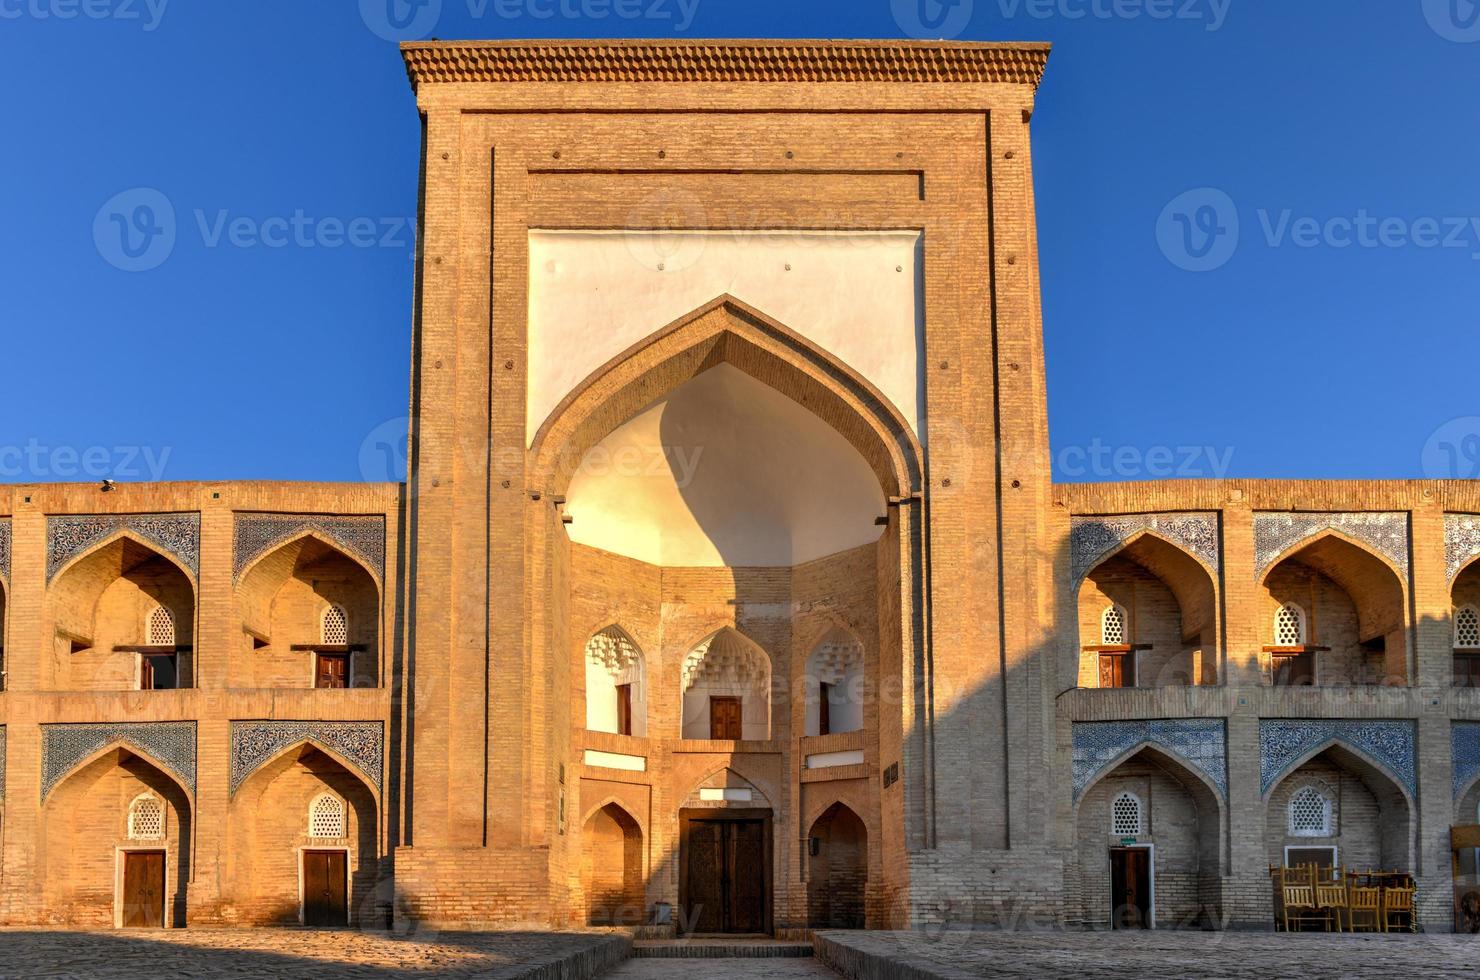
1461,542
1200,742
1283,742
169,743
1277,533
68,537
1092,539
362,536
1464,739
253,743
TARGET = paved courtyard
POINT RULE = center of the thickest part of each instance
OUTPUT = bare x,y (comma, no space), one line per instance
1176,955
277,953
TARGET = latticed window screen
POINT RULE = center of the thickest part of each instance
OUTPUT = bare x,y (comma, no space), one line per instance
146,819
326,817
1125,815
1310,813
1112,627
1467,628
161,627
334,630
1289,626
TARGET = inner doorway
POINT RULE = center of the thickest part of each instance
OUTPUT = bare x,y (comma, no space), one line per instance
725,871
143,890
325,895
1130,888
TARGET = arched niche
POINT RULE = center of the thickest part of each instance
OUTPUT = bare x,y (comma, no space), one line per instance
100,608
1369,821
289,601
835,684
1465,626
616,684
726,685
837,870
87,847
273,838
1356,626
1166,613
1178,826
612,868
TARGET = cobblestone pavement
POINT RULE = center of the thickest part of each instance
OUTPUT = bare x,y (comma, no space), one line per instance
771,968
275,953
1168,954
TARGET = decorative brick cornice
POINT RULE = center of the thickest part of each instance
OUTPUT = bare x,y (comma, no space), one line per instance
723,61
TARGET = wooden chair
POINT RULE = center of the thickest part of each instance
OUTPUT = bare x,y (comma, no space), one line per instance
1397,909
1365,903
1300,907
1331,898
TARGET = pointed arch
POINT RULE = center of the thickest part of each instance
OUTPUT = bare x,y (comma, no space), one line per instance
282,597
612,800
816,812
269,767
120,744
725,330
1342,745
1166,759
836,659
732,779
122,534
613,866
616,683
727,665
1362,571
1169,600
837,868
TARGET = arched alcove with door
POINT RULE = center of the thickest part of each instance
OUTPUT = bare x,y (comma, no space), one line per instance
835,684
1148,618
1346,608
310,618
121,617
1339,809
616,684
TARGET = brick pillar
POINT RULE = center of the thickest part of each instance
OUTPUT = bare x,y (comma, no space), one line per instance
1433,651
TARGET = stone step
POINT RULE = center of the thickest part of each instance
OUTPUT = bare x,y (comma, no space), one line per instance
713,948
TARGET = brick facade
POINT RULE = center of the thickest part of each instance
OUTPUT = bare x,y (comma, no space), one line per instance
477,787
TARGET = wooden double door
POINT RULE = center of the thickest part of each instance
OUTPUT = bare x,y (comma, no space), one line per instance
725,872
1130,887
143,890
325,888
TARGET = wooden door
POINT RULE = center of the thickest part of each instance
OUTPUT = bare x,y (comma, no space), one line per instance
726,877
724,718
746,876
143,889
325,902
624,709
1130,887
332,670
824,709
704,896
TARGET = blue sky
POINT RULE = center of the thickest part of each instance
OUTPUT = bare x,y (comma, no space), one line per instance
1336,333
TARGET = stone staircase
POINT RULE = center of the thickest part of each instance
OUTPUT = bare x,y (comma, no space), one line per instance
719,947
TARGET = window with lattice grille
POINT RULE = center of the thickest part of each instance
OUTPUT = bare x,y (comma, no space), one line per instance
160,626
1112,627
334,630
326,817
1310,813
146,819
1125,815
1467,628
1289,626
